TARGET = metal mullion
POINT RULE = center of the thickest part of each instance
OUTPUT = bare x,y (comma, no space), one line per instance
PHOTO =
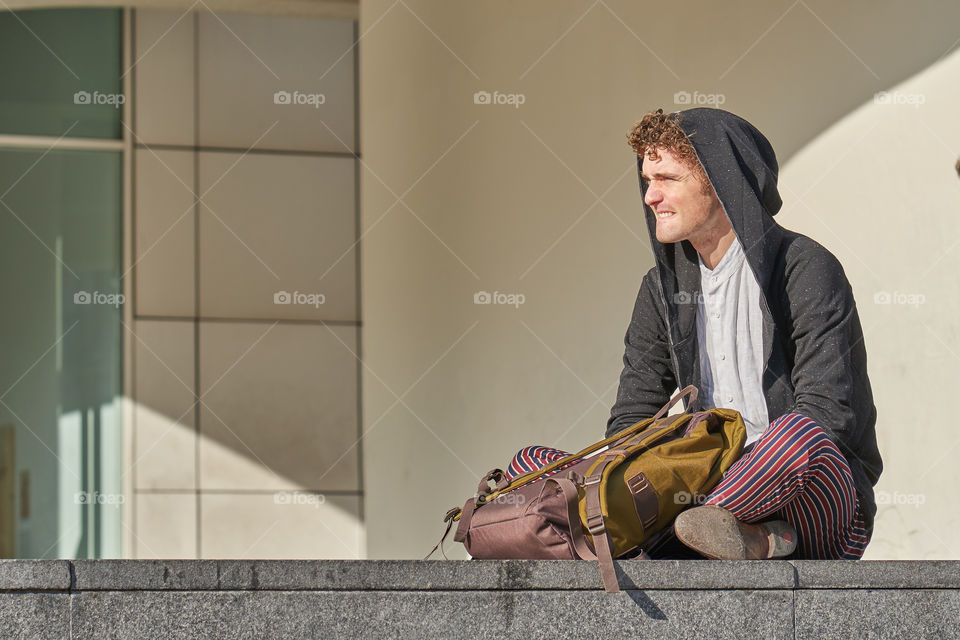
10,140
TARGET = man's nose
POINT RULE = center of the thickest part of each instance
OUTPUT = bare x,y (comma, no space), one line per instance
652,196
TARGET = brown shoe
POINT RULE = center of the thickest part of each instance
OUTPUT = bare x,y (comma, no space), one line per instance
716,533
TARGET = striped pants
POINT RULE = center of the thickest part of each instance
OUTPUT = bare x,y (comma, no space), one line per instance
793,472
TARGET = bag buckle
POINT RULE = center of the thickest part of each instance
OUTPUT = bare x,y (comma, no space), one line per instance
591,480
595,524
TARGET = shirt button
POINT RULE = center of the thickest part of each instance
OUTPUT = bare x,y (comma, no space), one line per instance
729,398
714,279
716,315
723,356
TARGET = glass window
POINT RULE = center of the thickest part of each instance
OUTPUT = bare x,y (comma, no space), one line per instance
60,285
60,72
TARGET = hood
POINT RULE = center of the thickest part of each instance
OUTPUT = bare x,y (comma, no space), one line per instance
742,167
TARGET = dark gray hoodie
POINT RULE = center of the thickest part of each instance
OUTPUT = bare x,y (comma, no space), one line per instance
816,362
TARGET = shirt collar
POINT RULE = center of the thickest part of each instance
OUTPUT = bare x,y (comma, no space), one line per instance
729,264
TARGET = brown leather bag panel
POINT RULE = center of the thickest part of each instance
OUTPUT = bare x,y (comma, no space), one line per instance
528,523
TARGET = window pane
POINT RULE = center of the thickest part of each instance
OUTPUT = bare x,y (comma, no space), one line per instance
60,71
60,336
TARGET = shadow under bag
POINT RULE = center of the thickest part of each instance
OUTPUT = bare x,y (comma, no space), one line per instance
623,490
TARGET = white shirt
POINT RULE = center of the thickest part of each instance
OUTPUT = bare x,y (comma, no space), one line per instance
730,336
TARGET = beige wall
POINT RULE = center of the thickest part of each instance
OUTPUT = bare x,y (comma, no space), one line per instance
542,200
246,411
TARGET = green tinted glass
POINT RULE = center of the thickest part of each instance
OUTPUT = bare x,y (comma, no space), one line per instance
60,340
60,72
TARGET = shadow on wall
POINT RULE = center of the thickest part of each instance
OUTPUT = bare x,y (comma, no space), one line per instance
282,523
879,188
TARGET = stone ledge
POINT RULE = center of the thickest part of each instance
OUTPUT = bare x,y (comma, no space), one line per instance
228,599
467,575
418,575
877,574
34,575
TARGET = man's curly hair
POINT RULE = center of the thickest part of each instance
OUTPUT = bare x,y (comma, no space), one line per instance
658,131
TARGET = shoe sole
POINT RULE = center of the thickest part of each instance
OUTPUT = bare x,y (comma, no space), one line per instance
716,533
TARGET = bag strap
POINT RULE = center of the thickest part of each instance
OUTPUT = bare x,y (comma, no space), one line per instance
651,435
569,488
465,515
519,481
596,526
449,520
592,483
688,390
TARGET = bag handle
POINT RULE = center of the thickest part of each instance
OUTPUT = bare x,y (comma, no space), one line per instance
498,477
688,390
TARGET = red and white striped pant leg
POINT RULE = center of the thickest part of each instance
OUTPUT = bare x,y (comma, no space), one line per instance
795,473
534,457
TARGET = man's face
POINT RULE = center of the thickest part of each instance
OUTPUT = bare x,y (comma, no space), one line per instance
685,208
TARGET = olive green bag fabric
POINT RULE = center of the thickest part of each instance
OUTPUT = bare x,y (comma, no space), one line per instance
623,490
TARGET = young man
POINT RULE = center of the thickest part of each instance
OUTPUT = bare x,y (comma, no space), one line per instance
761,320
